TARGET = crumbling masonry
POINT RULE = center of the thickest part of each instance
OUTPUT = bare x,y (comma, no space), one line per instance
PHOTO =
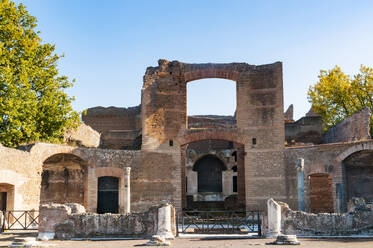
159,154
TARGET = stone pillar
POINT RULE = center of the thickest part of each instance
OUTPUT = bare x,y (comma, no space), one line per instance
92,191
192,183
227,182
127,190
164,222
274,218
300,168
339,192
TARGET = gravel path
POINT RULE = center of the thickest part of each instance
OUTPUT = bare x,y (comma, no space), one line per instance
6,239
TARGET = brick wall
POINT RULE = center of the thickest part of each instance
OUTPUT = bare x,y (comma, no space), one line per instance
304,130
353,128
326,159
112,118
119,127
20,174
259,116
321,193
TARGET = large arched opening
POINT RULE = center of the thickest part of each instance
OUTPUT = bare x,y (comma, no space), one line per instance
64,180
214,175
211,103
358,176
211,96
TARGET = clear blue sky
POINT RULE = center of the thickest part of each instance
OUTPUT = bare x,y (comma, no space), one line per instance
109,44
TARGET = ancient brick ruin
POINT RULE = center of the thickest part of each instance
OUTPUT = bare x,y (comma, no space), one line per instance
130,159
357,220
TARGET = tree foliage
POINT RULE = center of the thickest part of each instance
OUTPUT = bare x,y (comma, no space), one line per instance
337,95
33,103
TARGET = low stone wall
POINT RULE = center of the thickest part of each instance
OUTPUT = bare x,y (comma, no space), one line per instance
358,221
66,221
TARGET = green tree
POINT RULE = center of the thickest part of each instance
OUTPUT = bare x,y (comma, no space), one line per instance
33,104
336,95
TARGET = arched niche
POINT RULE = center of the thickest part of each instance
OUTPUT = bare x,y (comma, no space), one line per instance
64,179
358,175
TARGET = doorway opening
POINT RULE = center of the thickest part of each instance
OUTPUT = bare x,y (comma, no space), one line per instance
3,196
108,195
209,173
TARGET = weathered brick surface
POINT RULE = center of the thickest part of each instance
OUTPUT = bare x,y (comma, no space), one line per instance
321,193
304,130
84,135
119,127
112,118
259,115
353,128
327,159
211,121
265,167
63,179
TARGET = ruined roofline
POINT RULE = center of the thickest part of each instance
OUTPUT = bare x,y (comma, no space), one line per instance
189,72
112,110
194,66
212,116
108,111
337,144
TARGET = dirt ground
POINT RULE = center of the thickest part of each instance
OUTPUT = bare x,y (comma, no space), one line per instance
236,243
7,238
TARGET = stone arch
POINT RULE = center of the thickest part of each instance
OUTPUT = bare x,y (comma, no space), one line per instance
317,169
211,72
213,134
233,182
259,114
43,151
64,179
164,97
355,148
357,174
339,176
